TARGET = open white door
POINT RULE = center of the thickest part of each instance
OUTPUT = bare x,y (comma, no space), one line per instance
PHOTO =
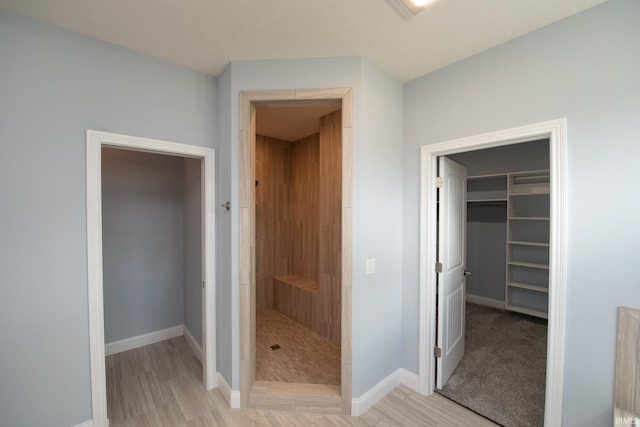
452,217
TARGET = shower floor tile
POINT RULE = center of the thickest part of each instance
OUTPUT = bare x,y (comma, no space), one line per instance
289,352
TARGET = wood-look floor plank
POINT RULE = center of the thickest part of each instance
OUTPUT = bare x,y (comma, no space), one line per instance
164,416
148,399
190,397
132,362
140,394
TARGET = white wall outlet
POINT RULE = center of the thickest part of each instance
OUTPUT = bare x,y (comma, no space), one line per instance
370,266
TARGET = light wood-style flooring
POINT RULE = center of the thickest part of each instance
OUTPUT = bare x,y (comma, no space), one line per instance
160,385
303,357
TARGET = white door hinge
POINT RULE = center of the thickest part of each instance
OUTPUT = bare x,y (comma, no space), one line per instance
438,267
437,352
439,182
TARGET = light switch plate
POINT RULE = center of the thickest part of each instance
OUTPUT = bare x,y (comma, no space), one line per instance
370,266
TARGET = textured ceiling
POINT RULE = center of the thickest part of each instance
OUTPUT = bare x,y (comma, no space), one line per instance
206,34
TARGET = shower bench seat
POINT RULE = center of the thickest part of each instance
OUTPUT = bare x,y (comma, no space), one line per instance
296,297
303,283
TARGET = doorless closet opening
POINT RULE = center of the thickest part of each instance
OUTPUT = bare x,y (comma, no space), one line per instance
183,157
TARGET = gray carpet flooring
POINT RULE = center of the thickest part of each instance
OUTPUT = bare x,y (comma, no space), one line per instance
502,375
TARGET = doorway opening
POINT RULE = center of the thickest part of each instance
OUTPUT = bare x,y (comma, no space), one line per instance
501,373
298,233
295,245
197,157
152,276
431,312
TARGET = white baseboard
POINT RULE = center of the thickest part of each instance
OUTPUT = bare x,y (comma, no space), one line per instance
360,405
409,379
231,396
85,424
495,303
193,343
142,340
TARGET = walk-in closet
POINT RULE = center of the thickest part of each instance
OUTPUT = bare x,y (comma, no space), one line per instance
502,374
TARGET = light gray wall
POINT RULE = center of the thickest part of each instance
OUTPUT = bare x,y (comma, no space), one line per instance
526,156
584,68
225,273
192,190
487,250
377,225
152,243
54,85
377,103
142,242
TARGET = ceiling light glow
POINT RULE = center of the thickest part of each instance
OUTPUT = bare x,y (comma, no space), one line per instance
409,8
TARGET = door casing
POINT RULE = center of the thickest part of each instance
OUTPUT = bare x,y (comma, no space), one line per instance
556,131
95,141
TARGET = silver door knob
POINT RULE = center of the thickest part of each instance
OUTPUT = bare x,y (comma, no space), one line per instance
467,273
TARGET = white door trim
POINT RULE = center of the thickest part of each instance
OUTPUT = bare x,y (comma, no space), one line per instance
556,131
95,141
